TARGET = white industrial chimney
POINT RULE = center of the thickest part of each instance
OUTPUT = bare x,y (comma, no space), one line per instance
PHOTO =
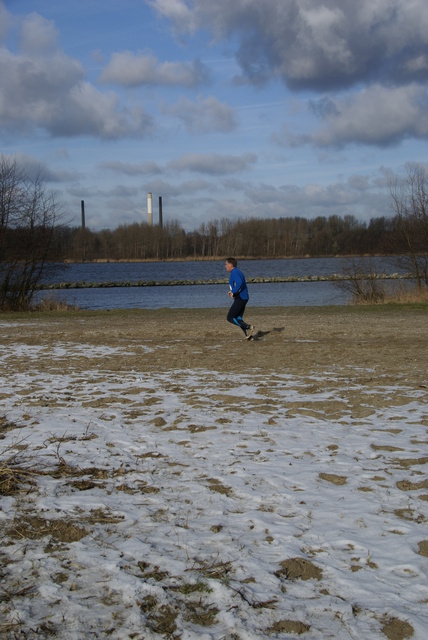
149,210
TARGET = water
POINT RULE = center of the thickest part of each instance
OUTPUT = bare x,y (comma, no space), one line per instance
206,270
203,296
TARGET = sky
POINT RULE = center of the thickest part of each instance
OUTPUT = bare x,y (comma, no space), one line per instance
250,108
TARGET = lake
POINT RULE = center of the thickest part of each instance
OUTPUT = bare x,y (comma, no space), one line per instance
204,295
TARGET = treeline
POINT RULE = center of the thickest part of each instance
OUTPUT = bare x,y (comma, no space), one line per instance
253,237
33,238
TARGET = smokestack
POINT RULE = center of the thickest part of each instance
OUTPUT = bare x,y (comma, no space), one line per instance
149,210
82,206
160,211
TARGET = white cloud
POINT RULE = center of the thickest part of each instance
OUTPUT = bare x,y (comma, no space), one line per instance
5,21
30,87
177,11
210,164
181,190
37,169
89,112
376,116
310,45
130,169
132,70
48,91
38,34
205,116
213,164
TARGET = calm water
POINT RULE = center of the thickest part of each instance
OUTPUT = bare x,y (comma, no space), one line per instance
200,296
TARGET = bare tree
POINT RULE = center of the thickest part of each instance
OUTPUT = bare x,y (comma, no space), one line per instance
410,202
29,216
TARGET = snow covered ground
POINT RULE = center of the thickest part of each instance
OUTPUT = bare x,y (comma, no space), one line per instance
195,504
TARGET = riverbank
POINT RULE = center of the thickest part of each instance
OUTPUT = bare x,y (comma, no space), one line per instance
162,476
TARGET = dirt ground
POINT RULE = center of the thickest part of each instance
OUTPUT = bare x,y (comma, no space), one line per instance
387,341
374,347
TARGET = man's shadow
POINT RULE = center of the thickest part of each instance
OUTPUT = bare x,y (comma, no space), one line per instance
261,334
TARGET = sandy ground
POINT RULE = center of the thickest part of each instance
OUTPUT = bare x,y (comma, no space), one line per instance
374,346
379,346
388,341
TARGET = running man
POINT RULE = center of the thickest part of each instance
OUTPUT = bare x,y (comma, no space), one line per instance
239,292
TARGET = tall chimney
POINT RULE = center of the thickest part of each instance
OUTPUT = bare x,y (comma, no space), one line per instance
160,212
82,206
149,210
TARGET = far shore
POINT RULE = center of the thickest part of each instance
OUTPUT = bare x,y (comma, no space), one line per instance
219,258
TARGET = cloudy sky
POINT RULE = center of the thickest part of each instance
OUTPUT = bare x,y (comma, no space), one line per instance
225,108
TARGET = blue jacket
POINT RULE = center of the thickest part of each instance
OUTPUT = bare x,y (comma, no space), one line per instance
237,284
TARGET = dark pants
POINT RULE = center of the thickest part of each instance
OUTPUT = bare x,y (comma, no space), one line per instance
236,312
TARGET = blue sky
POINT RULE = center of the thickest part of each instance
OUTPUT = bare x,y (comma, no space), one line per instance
225,108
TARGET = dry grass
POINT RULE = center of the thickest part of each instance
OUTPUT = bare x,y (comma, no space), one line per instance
53,303
14,476
47,304
406,295
13,479
402,293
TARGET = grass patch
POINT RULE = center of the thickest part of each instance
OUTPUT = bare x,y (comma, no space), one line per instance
299,569
35,527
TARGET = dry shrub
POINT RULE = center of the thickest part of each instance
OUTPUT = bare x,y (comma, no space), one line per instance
366,286
14,474
53,303
371,290
13,479
361,281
